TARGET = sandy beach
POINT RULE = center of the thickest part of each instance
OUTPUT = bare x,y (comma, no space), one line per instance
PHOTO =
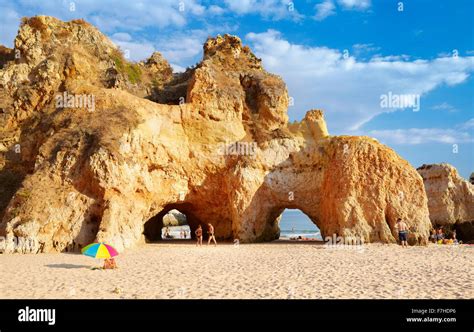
255,271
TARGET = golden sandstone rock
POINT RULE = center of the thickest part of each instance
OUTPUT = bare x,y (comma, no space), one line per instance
213,142
450,199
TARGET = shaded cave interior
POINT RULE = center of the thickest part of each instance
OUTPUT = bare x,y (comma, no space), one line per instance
293,224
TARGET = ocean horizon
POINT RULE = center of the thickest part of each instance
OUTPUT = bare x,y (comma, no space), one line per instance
295,223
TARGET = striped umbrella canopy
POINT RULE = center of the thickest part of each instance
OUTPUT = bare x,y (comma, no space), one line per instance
99,250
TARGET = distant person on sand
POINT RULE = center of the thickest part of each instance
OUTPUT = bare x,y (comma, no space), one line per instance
198,233
433,235
167,233
402,232
210,231
440,236
454,238
300,238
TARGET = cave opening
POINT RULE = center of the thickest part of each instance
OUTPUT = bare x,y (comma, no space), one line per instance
296,226
174,222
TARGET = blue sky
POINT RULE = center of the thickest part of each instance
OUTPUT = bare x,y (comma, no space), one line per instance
341,56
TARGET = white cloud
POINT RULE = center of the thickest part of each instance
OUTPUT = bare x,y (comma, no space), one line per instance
444,106
130,15
414,136
121,36
182,48
216,10
177,68
354,4
364,50
324,9
385,58
469,124
241,6
133,50
328,7
347,89
193,6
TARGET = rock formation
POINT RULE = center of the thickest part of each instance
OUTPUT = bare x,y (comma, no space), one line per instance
174,218
213,142
450,199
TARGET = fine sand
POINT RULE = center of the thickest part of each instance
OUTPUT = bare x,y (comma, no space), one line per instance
262,271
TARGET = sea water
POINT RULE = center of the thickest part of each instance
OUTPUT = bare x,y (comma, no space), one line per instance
294,223
176,232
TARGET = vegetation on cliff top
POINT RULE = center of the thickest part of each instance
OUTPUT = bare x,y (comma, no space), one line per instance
130,70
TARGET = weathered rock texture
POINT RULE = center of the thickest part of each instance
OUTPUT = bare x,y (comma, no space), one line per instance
174,218
213,142
450,199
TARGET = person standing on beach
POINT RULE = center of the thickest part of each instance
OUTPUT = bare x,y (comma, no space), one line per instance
167,233
198,233
211,235
402,232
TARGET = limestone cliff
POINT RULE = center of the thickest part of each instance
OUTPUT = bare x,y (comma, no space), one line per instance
213,142
450,198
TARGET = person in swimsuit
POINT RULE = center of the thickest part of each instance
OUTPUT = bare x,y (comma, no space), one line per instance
454,237
402,232
433,235
198,233
210,231
167,233
440,236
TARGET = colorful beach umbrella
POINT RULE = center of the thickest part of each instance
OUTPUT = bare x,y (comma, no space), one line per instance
99,250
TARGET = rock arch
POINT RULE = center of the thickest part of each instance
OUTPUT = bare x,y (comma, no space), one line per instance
133,158
152,227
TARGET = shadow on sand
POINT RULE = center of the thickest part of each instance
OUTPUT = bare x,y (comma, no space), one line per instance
68,266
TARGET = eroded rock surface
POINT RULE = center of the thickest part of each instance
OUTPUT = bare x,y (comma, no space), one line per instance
450,199
213,142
